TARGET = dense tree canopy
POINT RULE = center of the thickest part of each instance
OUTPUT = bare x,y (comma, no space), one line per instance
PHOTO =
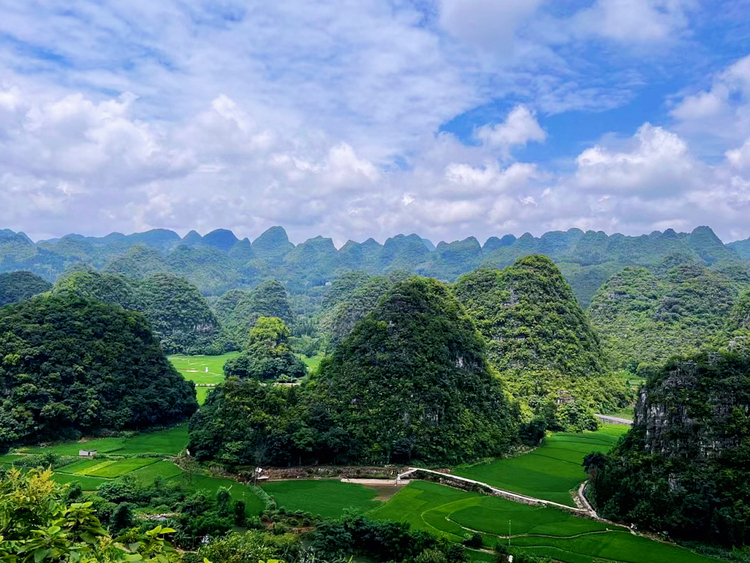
239,310
267,354
540,340
72,365
684,467
19,286
177,312
645,316
410,382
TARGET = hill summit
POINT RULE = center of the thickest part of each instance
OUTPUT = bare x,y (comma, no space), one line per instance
540,340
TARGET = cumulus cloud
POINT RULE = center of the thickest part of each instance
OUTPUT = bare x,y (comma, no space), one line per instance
633,21
723,110
519,128
655,162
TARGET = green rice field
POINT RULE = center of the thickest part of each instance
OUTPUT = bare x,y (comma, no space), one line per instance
170,441
312,363
325,497
550,471
539,530
193,368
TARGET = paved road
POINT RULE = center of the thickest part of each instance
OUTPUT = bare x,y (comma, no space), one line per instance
606,419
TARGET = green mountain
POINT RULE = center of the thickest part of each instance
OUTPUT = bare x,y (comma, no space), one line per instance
412,377
176,311
644,316
219,262
409,383
683,467
19,286
96,367
540,341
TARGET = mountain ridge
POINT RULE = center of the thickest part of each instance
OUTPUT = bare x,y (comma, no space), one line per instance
219,261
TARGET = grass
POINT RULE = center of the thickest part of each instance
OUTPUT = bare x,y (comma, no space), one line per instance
193,368
238,491
325,497
312,363
117,468
550,471
87,483
163,469
541,531
170,441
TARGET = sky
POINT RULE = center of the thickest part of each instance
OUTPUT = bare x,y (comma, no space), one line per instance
368,118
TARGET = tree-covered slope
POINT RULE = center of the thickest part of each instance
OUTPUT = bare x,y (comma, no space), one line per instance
540,340
645,316
176,311
19,286
73,365
239,310
409,383
684,467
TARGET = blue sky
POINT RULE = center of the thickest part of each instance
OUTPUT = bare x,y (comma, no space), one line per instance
359,118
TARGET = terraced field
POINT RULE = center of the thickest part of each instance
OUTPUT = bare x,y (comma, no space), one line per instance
324,497
550,471
540,531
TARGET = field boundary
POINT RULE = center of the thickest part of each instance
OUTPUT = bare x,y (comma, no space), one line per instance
472,485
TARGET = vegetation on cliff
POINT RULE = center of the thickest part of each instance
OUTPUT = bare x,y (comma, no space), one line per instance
646,316
175,309
684,467
540,341
410,382
19,286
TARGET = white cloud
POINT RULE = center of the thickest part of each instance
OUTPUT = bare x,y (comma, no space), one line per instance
633,21
490,24
722,111
740,157
655,163
519,128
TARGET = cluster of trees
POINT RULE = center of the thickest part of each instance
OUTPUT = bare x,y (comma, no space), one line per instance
684,467
72,365
410,382
41,522
267,354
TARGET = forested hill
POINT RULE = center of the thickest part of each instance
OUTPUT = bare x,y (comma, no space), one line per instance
219,261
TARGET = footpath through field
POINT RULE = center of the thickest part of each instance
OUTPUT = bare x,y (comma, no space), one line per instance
463,483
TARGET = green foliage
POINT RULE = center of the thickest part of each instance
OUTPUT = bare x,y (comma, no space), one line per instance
37,524
540,341
251,546
239,310
382,541
176,311
19,286
268,355
410,382
684,467
72,365
646,316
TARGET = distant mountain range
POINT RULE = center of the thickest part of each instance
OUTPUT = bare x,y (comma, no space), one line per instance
219,261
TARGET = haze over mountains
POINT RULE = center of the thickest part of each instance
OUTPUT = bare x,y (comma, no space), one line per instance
219,261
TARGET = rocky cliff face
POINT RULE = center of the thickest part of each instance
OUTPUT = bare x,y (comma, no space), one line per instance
695,409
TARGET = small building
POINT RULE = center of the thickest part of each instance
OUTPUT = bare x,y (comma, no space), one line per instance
86,453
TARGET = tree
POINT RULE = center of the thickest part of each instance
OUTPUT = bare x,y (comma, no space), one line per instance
267,354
